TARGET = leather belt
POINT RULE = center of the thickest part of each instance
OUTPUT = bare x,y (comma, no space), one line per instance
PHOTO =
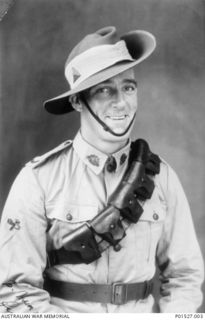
117,293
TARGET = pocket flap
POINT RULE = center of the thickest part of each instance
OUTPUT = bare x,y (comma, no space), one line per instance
76,213
153,212
71,213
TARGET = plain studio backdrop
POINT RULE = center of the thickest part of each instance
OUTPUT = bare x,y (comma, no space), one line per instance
35,39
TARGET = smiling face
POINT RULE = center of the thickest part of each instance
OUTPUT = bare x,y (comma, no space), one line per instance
114,101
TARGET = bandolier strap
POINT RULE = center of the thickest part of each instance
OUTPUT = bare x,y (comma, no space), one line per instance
86,243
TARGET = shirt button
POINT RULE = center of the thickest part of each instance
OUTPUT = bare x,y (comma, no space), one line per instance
111,164
117,247
69,217
112,226
155,216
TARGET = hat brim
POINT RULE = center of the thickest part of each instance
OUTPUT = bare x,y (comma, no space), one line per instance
140,45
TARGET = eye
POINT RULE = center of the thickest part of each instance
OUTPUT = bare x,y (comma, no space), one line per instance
129,88
103,90
100,92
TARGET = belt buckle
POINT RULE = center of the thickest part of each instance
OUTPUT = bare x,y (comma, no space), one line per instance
119,293
148,289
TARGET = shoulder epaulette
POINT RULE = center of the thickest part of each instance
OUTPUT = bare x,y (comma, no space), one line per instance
39,160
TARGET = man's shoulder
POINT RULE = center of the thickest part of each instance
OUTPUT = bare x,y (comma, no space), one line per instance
167,179
41,160
164,163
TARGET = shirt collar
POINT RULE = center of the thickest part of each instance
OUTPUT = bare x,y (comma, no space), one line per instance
96,159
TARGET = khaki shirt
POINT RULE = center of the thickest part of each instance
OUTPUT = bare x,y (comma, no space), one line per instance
65,188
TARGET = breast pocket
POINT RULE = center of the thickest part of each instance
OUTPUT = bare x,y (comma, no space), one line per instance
148,230
65,218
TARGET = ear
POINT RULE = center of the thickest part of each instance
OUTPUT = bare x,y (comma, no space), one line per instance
76,102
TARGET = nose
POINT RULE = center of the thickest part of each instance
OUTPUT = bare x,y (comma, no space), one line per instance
118,100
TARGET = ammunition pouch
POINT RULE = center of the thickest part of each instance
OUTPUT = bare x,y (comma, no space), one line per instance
85,243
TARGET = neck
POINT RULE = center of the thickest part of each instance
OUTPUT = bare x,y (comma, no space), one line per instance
105,146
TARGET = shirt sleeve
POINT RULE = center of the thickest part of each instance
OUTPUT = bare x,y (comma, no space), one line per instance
23,248
179,256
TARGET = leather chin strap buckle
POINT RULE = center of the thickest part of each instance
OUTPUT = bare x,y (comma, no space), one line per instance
119,293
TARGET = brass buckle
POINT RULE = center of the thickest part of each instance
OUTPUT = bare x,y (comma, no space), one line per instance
119,293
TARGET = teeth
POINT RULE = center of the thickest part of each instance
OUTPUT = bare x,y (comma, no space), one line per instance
117,118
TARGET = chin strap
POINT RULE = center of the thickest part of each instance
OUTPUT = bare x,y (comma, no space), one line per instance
105,127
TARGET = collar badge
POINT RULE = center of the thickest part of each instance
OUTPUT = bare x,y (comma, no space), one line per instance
123,158
94,160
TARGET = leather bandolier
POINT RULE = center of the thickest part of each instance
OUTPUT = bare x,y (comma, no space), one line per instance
86,243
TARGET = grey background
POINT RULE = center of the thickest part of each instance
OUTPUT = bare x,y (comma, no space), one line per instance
35,39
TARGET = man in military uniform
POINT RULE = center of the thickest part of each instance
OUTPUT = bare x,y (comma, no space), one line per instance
85,225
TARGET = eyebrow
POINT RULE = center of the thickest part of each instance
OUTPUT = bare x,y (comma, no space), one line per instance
131,81
128,80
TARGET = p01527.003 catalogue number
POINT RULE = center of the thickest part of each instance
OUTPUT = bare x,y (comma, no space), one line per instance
189,316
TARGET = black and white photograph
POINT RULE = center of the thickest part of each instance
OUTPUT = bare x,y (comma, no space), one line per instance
102,168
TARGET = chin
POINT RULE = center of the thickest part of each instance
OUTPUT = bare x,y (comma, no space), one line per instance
112,138
119,130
